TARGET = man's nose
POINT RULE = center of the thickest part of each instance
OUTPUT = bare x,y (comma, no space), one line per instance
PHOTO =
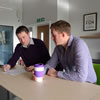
22,40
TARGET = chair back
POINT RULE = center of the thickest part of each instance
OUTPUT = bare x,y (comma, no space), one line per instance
97,70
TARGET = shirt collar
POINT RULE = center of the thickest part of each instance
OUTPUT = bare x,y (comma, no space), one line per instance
30,43
70,41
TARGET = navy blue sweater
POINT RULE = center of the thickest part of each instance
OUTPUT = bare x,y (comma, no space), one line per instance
34,54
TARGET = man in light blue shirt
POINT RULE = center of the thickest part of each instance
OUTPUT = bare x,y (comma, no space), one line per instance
73,55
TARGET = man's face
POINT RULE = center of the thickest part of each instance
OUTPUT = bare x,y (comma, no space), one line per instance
57,37
24,38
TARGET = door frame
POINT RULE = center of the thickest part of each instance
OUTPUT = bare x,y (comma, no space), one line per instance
42,24
34,31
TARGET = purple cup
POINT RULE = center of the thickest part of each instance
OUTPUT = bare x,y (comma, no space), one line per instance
39,72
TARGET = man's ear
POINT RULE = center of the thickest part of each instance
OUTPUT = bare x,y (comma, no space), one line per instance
63,34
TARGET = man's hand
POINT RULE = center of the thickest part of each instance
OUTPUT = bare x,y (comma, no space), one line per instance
29,69
33,76
52,72
6,67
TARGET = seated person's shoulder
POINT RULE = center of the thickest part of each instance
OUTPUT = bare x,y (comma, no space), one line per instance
18,45
38,41
78,41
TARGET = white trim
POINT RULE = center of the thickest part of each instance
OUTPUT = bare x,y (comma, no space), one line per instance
39,68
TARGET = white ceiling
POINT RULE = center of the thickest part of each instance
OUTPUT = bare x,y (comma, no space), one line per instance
9,4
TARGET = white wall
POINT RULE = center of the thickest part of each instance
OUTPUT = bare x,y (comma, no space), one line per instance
51,10
33,9
69,10
62,14
63,9
10,14
76,10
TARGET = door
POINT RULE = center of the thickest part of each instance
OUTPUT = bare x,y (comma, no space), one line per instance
43,34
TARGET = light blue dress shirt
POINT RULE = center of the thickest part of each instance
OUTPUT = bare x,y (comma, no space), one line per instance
75,60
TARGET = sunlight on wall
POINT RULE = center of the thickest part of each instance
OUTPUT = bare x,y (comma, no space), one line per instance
64,4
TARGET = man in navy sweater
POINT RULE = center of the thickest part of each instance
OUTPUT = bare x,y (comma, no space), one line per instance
31,50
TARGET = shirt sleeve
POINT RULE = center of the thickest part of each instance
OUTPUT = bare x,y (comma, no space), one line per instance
12,61
52,62
80,67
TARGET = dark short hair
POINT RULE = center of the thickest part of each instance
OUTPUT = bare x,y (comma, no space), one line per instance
22,29
61,26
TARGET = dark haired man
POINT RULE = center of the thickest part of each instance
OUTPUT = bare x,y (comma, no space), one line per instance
72,53
31,50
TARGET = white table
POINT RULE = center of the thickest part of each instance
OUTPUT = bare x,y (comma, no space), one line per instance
50,89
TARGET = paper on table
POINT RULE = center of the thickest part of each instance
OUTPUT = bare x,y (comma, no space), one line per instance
15,72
